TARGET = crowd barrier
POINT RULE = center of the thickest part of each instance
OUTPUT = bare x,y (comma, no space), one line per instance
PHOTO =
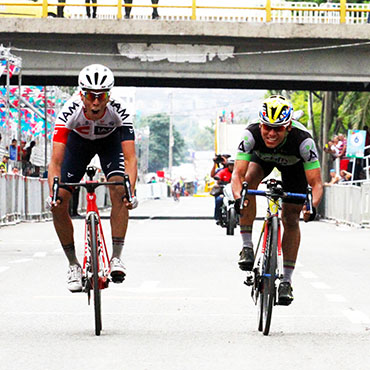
348,204
23,198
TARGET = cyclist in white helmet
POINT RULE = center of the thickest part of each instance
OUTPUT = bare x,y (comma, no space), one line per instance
277,140
88,124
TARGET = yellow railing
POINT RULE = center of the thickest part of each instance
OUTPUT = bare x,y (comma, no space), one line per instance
342,10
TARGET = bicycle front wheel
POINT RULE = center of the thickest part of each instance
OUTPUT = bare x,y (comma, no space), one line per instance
93,231
232,220
268,293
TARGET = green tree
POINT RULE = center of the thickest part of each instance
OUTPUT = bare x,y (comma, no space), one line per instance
159,142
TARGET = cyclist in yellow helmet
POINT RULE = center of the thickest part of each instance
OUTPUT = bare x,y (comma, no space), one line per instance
277,140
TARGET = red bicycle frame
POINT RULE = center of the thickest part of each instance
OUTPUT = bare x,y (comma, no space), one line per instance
103,260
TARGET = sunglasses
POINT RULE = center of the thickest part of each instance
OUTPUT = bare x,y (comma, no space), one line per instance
276,129
91,96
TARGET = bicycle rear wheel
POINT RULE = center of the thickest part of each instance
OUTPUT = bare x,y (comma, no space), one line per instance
93,227
267,292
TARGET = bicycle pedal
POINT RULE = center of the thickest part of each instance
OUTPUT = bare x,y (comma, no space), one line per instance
249,281
117,278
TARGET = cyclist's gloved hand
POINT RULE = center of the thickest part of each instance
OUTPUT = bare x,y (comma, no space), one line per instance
309,216
134,202
49,202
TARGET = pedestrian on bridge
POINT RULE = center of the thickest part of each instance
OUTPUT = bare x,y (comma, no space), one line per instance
88,11
155,14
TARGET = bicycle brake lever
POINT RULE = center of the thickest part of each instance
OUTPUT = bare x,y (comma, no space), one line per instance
243,194
309,199
55,189
127,184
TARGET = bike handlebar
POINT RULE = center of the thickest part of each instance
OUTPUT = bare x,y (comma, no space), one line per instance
275,192
90,186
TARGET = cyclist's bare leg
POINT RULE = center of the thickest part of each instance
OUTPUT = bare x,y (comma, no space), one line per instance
253,177
291,236
119,222
119,212
64,227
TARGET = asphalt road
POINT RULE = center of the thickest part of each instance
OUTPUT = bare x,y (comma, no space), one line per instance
184,305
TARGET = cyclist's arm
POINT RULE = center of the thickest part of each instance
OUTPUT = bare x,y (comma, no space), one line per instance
313,177
129,153
238,176
55,164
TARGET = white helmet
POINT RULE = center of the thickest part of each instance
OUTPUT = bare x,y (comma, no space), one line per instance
96,77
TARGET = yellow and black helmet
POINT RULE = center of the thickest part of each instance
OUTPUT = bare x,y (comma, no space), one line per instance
276,110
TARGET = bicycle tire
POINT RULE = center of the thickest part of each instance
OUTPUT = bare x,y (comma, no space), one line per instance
93,224
269,289
231,221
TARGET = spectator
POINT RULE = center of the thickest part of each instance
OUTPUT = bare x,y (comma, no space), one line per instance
334,178
13,150
88,10
4,164
342,152
218,161
60,10
223,177
332,148
155,14
36,172
21,152
345,176
27,158
358,172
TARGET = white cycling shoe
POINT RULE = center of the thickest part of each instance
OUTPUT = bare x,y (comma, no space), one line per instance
74,278
117,270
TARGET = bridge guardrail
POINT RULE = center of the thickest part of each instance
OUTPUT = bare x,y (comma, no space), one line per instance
231,10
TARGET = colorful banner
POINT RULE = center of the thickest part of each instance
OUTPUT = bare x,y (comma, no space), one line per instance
32,123
356,143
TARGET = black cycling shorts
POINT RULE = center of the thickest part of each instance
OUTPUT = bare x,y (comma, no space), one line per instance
293,177
80,151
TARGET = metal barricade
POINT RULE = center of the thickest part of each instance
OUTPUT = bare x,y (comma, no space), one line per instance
346,204
33,198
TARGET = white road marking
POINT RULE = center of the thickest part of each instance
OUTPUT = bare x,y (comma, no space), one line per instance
335,298
21,260
58,250
298,264
320,285
28,241
39,254
3,268
308,275
356,317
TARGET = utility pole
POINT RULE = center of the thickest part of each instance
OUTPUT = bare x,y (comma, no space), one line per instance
171,140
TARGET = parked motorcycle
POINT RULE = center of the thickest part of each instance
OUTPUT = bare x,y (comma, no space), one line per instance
229,218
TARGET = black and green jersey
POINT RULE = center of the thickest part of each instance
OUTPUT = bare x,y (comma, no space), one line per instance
298,146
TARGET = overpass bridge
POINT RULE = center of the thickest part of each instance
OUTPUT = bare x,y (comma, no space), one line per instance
193,53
